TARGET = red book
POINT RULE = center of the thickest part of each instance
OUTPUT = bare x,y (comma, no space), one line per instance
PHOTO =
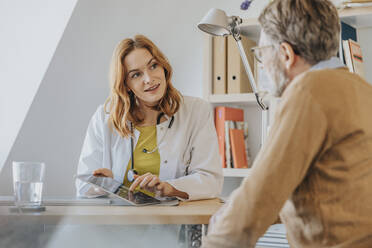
223,114
238,148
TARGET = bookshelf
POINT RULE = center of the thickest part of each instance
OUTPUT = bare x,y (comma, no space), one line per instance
358,17
361,19
244,98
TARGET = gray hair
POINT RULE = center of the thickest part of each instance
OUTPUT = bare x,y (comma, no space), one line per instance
311,27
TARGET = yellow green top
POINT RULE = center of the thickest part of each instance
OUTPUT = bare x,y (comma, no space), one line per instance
145,162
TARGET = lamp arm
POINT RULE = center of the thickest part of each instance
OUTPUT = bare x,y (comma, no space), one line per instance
250,74
246,66
234,22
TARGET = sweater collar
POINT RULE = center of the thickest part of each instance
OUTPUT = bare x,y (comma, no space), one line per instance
331,63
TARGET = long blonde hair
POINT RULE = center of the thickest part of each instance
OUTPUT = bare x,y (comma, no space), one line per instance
121,104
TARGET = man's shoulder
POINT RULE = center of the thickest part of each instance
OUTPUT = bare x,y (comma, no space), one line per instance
323,77
328,88
322,82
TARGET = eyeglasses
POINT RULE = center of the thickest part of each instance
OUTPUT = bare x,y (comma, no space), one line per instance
257,51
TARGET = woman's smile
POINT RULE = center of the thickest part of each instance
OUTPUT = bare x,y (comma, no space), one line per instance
153,88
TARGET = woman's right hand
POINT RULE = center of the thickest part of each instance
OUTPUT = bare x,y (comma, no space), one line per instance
103,172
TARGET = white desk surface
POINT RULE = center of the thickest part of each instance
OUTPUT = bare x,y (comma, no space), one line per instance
193,212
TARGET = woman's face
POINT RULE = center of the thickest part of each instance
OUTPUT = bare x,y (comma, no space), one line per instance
145,76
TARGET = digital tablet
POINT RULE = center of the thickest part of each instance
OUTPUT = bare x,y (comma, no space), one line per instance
117,189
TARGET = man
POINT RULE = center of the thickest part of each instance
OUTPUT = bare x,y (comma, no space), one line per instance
315,170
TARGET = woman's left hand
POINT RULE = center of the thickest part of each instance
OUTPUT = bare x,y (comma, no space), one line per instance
152,183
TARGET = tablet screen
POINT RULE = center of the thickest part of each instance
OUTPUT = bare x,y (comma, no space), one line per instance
116,188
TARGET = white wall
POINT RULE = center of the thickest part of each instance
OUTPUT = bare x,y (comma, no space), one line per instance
76,80
365,41
29,34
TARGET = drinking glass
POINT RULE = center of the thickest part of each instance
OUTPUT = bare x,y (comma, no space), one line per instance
28,180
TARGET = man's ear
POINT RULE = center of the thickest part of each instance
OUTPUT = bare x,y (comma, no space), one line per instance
287,55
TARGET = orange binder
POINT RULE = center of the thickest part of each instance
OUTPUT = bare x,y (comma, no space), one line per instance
223,114
219,65
238,148
237,79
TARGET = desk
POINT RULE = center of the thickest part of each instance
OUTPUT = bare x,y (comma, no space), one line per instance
193,212
105,226
102,225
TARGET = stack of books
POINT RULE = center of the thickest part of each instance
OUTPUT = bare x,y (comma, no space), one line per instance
232,133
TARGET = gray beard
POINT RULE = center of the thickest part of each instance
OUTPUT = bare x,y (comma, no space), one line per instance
278,77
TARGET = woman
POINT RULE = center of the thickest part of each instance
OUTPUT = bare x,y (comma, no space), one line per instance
175,151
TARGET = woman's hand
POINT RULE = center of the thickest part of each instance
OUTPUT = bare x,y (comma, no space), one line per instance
103,172
152,183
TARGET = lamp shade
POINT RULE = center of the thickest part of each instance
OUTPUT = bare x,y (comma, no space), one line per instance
215,22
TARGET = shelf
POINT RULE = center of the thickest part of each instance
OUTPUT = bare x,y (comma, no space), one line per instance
250,22
343,12
251,28
355,11
243,98
247,99
358,17
236,172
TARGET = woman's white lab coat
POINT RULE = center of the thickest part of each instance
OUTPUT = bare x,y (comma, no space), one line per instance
188,151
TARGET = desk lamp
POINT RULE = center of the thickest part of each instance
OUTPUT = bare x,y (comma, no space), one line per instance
216,23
